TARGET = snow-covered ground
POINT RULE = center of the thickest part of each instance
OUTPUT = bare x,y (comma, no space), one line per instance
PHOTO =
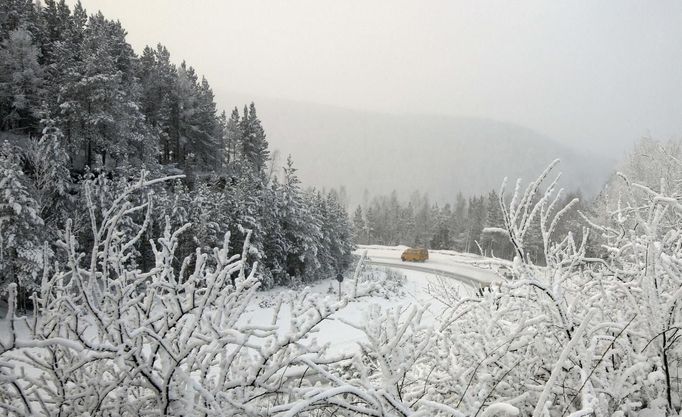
459,269
341,336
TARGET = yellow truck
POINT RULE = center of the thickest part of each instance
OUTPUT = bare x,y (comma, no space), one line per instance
415,255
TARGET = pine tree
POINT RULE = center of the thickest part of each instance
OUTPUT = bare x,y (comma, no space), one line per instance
158,101
475,219
197,138
338,233
208,140
21,249
58,27
275,245
300,226
233,136
423,225
48,167
104,123
458,223
21,81
253,143
359,226
222,136
247,205
442,238
63,60
494,243
407,221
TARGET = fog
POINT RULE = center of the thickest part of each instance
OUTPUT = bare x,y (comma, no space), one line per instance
592,76
585,73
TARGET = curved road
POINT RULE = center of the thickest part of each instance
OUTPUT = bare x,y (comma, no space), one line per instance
474,282
448,264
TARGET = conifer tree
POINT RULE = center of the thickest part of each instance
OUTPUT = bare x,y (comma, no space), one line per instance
159,104
275,245
21,246
21,81
442,238
299,224
48,167
359,226
233,137
254,143
494,242
109,114
338,229
100,107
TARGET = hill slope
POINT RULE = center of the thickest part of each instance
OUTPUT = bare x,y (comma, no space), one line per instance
435,154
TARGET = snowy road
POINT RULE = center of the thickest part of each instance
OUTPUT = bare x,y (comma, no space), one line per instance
441,263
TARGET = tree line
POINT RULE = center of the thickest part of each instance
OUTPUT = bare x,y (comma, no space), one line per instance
82,117
474,224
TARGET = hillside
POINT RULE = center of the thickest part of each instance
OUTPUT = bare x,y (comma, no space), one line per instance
359,150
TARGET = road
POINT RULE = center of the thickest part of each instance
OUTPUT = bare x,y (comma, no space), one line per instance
434,271
442,263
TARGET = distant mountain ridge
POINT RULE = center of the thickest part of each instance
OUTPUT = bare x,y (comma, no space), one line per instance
439,155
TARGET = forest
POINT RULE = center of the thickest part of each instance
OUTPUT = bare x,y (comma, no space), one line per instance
469,225
81,113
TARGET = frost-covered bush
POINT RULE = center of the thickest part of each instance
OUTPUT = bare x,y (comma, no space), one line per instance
107,338
579,336
385,282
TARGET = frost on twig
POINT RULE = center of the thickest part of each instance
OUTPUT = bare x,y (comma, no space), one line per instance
108,338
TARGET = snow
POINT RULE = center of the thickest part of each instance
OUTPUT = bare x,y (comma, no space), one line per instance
465,267
341,336
339,332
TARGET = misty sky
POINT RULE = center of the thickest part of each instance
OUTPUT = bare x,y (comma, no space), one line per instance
596,74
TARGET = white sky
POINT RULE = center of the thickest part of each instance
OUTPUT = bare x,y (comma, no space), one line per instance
596,74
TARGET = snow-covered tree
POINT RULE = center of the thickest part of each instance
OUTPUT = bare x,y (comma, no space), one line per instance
21,80
198,136
233,137
159,104
359,226
48,164
254,145
300,227
99,106
21,246
109,114
494,243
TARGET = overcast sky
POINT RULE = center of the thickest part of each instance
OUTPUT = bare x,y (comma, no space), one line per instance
589,73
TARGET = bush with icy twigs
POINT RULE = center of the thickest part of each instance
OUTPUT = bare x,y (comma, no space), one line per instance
578,336
108,339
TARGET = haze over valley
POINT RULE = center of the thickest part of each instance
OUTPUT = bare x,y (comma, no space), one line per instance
439,155
544,79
